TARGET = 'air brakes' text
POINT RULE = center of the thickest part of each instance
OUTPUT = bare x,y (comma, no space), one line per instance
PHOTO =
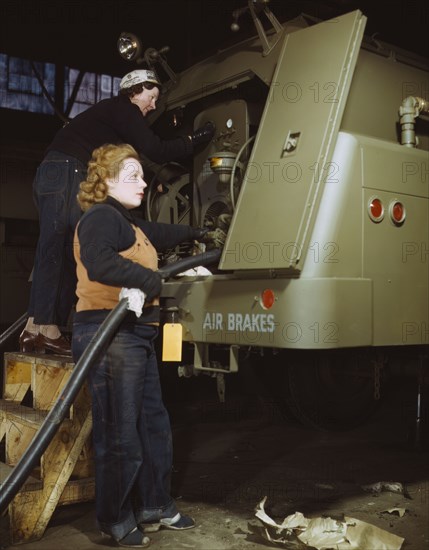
249,322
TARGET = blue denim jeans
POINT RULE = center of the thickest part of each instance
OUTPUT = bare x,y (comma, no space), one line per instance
54,273
131,430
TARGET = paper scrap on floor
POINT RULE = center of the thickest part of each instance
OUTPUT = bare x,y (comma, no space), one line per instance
324,532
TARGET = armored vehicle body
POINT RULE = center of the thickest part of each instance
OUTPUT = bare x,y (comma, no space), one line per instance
318,174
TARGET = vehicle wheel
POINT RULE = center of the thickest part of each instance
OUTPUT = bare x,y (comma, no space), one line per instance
333,390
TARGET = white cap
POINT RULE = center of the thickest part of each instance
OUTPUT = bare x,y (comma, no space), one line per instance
137,77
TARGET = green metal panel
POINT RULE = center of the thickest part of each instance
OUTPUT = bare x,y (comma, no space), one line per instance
228,68
307,313
284,180
396,258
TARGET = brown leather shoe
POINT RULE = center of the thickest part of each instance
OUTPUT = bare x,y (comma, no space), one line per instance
26,341
59,345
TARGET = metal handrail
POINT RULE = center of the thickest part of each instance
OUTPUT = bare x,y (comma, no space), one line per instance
56,415
9,332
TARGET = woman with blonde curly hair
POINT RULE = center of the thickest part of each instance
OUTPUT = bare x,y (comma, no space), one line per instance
131,428
106,162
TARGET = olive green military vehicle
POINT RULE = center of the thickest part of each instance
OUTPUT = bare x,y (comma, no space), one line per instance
318,175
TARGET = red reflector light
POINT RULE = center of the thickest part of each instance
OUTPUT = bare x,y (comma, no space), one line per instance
267,298
397,212
376,209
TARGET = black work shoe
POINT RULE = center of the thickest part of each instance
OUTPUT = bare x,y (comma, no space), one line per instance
179,522
134,539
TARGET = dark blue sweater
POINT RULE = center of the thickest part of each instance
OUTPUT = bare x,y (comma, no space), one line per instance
116,120
104,231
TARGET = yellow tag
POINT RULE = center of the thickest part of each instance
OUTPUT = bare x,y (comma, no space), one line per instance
172,342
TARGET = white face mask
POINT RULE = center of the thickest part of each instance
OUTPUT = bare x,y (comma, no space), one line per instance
146,100
128,186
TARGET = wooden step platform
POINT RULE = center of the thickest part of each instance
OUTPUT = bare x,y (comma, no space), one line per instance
65,474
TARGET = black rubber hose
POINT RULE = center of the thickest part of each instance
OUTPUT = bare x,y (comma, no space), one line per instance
56,415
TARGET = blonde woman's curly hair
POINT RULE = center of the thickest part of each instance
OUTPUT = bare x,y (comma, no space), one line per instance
105,163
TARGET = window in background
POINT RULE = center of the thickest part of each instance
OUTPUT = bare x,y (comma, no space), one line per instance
93,88
19,87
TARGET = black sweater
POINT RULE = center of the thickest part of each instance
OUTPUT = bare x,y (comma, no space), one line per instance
116,120
103,231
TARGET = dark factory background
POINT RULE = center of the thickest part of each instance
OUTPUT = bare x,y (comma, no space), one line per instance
69,40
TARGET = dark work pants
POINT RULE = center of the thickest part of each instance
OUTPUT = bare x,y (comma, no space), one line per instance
54,273
131,430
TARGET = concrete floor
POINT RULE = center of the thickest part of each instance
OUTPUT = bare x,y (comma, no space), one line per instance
228,457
